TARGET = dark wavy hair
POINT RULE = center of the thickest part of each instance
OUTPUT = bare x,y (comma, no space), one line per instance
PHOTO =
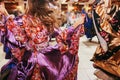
39,8
1,0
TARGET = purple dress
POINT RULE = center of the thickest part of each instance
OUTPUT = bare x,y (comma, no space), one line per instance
58,62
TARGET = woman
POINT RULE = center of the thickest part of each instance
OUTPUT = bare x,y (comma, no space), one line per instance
89,29
107,56
12,70
32,30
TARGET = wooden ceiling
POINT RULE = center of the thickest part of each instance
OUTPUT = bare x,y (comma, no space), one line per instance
79,0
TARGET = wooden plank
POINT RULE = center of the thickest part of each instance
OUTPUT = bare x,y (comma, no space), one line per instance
101,75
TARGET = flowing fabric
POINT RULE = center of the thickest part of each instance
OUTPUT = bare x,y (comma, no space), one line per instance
89,28
109,60
102,41
58,62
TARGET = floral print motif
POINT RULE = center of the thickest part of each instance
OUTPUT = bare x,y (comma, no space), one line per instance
105,35
73,46
36,73
31,34
115,25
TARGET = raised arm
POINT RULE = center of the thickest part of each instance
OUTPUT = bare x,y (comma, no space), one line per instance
3,15
80,20
68,39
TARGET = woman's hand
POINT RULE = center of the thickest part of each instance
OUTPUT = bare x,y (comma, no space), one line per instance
80,20
3,10
1,25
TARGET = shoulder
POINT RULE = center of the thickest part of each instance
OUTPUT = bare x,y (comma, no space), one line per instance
12,21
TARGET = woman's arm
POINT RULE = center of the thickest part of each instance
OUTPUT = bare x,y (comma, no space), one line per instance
80,20
68,39
3,10
3,16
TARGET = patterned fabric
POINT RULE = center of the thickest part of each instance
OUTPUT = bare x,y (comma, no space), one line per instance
36,73
68,40
115,22
105,35
29,31
72,75
51,62
109,60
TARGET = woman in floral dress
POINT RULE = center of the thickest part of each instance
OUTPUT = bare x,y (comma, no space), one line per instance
58,62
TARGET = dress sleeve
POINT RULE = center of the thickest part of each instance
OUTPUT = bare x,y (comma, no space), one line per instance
13,32
2,26
68,40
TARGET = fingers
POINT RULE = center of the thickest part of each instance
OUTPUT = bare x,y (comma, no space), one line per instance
82,19
79,21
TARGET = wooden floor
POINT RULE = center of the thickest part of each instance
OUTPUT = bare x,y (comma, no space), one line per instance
86,51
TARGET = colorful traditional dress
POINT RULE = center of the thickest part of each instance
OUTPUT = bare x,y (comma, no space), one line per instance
58,62
108,58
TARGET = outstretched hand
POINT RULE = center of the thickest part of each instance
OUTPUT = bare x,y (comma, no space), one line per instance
80,20
3,10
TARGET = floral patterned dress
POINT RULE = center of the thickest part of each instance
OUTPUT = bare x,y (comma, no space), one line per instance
58,62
